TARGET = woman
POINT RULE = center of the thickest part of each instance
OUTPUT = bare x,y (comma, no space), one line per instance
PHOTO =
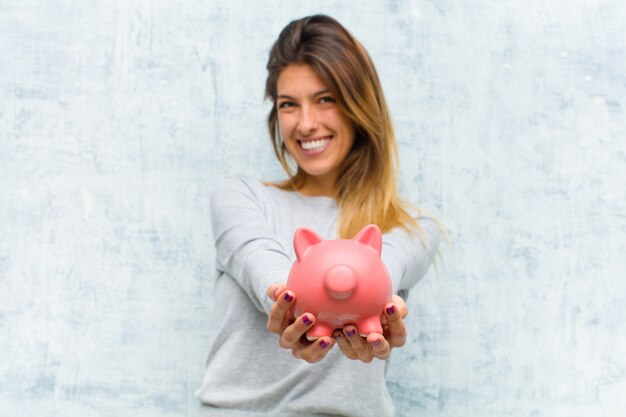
330,118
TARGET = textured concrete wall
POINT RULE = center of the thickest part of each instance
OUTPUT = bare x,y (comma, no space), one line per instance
117,118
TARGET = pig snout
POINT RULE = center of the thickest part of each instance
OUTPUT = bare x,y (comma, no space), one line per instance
340,282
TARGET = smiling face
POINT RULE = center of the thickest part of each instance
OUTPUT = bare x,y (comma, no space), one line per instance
317,133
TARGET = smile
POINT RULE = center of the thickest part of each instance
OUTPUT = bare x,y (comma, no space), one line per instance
316,145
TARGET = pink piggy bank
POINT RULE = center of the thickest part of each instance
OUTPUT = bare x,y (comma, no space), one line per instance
340,281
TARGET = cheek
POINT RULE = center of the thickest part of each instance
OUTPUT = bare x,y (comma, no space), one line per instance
286,124
346,129
341,124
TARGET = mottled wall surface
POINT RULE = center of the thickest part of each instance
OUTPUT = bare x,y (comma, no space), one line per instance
118,118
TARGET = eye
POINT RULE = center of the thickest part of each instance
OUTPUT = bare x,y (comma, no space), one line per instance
286,104
327,99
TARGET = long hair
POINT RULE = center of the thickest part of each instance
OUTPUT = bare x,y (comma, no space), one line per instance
366,188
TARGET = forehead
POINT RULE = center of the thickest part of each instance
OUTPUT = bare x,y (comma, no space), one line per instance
296,78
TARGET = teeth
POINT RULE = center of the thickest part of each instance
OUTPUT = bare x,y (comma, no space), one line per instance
315,144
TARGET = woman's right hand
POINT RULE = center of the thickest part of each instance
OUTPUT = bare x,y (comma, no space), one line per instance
292,330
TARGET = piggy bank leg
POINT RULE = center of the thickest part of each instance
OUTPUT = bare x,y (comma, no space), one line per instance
369,325
319,329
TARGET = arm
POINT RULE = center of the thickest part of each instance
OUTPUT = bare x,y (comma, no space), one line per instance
407,258
245,244
408,255
247,249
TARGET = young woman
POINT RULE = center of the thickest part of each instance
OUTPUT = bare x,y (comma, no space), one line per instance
329,119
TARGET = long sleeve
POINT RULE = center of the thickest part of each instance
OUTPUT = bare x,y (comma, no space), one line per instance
407,256
246,245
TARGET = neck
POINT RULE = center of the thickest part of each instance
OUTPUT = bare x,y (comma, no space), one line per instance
316,186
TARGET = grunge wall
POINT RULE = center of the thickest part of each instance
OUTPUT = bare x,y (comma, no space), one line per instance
118,118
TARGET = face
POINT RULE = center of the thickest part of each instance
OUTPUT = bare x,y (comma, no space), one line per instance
317,133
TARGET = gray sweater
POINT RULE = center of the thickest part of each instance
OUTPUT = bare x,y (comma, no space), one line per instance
247,373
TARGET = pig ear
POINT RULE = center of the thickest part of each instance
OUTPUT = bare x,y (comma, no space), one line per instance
303,239
371,236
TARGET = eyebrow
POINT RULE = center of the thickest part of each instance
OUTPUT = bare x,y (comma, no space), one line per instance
324,91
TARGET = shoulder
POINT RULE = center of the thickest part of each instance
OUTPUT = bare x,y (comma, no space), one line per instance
433,232
236,193
426,231
238,183
244,192
430,225
239,188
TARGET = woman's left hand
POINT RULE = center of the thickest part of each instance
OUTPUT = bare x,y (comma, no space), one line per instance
375,345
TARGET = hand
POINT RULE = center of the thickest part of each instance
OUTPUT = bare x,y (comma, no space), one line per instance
292,330
375,345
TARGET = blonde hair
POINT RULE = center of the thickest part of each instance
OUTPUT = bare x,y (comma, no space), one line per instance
366,188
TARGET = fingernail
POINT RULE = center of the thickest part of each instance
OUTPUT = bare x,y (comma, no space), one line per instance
375,342
323,344
391,310
352,332
288,297
337,336
306,320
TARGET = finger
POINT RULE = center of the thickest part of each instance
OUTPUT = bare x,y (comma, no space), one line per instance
400,305
395,326
359,344
274,290
316,351
276,321
344,345
292,333
380,347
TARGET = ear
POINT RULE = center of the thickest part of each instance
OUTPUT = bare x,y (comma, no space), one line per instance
303,239
371,236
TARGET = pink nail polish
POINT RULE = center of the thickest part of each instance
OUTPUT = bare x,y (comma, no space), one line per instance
306,320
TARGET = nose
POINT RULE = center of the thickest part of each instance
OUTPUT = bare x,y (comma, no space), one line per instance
308,123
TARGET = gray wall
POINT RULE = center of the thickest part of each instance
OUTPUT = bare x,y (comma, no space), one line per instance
118,118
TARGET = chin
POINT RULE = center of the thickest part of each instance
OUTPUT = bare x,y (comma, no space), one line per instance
316,172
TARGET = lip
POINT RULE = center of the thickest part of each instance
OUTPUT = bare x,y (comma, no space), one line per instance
316,151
